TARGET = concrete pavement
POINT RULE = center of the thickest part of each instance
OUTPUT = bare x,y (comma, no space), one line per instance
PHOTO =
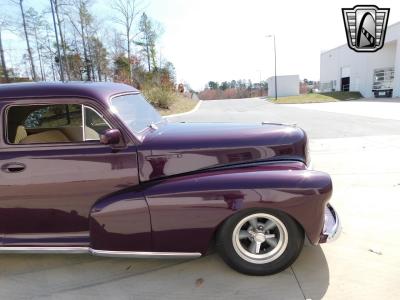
364,263
360,152
373,109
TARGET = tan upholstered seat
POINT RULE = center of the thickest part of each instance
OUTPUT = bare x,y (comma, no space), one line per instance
63,135
50,136
74,133
20,134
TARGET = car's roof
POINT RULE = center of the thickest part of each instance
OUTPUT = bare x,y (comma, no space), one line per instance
100,91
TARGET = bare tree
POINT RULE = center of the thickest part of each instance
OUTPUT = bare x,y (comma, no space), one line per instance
80,19
116,43
35,24
58,9
127,11
84,17
3,24
148,36
99,57
21,7
50,53
90,33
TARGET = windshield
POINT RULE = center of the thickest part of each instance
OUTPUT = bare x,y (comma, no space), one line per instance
135,111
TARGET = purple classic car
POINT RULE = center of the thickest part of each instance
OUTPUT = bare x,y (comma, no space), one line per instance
93,168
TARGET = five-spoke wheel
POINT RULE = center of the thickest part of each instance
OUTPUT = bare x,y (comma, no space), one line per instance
260,238
260,241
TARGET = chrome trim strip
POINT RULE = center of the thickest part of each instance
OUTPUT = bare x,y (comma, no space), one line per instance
135,254
48,235
42,244
45,250
83,115
105,253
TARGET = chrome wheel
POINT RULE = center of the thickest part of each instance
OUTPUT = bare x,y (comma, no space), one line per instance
260,238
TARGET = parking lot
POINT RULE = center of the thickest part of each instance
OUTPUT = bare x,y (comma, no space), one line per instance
358,143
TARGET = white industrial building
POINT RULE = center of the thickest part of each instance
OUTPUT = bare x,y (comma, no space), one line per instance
374,74
287,85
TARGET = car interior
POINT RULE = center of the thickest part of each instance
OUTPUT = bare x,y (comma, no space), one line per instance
60,123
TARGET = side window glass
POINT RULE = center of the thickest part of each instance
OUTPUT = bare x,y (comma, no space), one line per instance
52,116
60,123
44,124
94,124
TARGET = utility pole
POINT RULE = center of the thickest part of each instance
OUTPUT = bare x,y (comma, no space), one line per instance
276,79
58,45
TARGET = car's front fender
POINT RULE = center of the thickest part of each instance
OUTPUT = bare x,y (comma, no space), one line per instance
186,210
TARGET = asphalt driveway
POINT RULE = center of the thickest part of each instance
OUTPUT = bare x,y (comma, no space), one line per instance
358,146
320,120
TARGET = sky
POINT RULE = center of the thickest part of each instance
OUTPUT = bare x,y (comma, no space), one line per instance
226,39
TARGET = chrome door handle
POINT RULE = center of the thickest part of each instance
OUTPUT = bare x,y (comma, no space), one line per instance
13,167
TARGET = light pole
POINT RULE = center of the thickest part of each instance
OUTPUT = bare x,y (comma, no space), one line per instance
276,79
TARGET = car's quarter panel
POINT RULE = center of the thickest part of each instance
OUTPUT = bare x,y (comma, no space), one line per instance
121,223
186,210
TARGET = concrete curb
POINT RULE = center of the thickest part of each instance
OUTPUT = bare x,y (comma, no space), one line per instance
186,113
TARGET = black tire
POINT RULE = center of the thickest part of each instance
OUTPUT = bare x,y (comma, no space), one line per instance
288,252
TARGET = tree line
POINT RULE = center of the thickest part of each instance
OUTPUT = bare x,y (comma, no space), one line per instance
234,89
67,41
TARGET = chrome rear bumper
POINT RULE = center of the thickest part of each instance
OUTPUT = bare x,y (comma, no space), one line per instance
332,227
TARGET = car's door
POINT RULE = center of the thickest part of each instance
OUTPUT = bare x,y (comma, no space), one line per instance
48,186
